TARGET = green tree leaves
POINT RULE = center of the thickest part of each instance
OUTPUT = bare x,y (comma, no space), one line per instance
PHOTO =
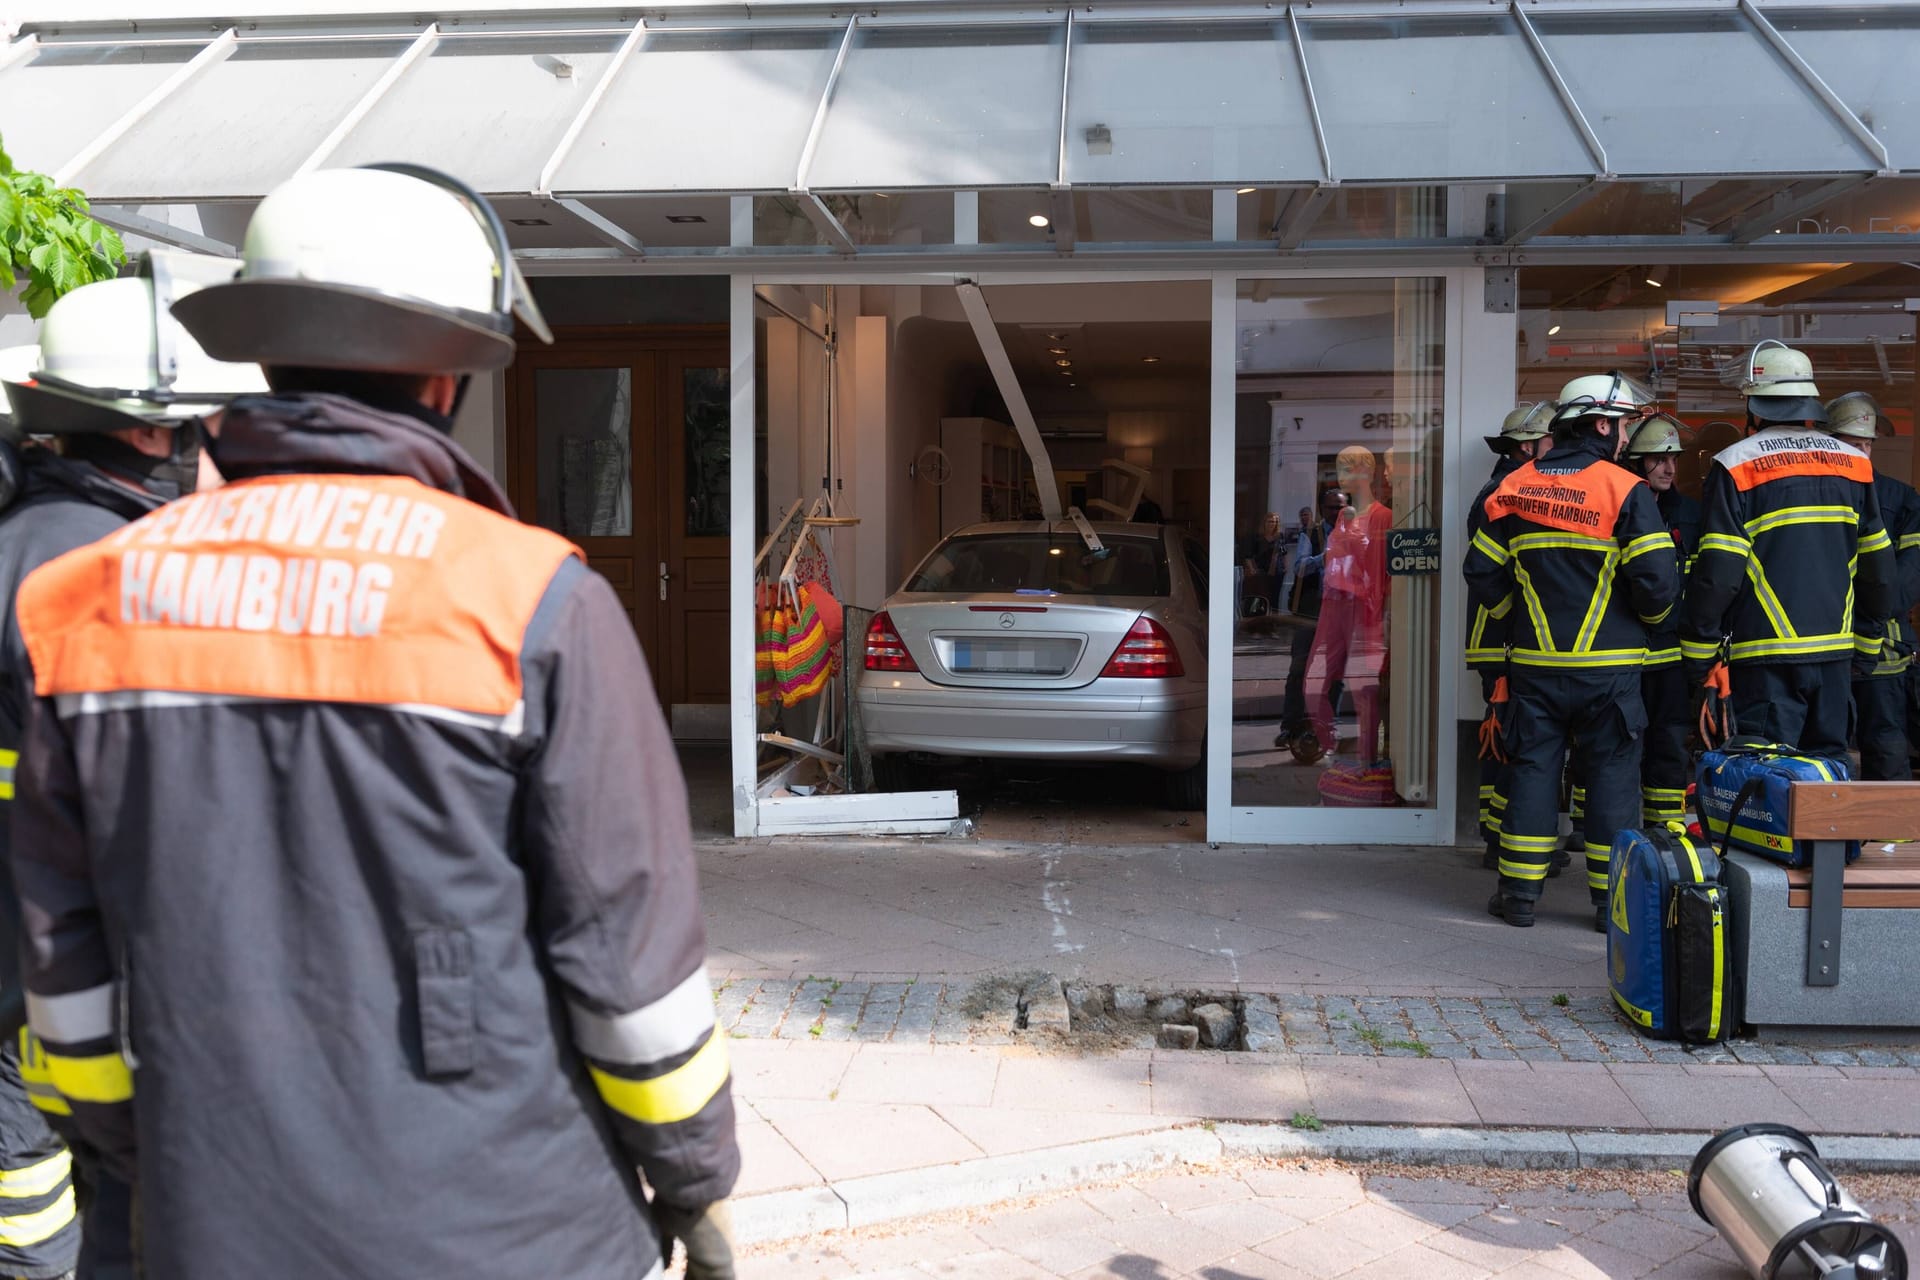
47,236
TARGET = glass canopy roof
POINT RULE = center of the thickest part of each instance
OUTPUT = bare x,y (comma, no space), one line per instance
806,101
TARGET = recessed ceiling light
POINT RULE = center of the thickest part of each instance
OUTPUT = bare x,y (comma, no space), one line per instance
685,217
1073,384
1555,329
529,222
1655,283
1245,191
1150,360
1037,220
1056,337
1056,351
1064,364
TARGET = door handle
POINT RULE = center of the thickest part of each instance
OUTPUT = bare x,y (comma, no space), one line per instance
664,577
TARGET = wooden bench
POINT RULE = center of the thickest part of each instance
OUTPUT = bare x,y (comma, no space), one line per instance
1793,967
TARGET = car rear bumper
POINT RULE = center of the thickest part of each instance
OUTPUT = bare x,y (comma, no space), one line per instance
1166,729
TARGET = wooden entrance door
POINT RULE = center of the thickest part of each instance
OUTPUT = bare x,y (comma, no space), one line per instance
617,439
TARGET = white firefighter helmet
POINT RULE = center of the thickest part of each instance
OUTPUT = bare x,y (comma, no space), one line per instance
1659,434
1523,423
388,268
111,357
1602,395
1857,415
1778,384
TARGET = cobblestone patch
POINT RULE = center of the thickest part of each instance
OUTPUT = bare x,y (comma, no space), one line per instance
1583,1029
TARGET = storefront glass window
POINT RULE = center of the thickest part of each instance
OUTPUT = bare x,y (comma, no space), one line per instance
944,107
1336,548
1206,104
585,439
1352,213
870,218
1450,97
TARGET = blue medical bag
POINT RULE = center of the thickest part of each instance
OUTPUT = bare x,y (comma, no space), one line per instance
1669,956
1762,771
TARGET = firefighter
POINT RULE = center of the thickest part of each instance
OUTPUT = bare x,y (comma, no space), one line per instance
348,823
1574,551
1793,559
1880,678
1654,452
108,458
1514,445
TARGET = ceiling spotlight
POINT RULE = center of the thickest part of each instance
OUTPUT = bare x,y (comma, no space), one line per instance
1657,277
1056,351
1064,364
1150,360
529,222
685,217
1245,191
1655,283
1555,329
1056,337
1037,220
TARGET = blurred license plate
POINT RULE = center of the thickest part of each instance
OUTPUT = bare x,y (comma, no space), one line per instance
1038,657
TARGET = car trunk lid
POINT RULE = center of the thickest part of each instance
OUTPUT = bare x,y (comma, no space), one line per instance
1012,640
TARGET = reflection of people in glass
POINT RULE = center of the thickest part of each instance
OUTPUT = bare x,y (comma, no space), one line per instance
1350,641
1296,728
1260,557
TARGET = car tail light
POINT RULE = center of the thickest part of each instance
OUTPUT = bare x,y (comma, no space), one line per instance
885,652
1146,653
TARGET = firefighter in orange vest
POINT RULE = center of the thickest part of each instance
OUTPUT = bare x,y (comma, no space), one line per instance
1794,561
364,927
1574,551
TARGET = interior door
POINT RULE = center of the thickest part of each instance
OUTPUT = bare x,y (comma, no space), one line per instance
696,499
586,466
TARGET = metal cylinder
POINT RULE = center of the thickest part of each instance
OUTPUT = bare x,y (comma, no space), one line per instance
1764,1189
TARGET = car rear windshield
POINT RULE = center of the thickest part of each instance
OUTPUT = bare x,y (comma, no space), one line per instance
1057,563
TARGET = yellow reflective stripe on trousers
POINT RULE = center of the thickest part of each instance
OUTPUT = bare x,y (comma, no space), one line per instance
37,1078
22,1229
36,1179
675,1096
105,1078
9,760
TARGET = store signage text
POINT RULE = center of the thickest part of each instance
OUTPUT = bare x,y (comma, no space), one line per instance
1397,421
1413,551
1877,226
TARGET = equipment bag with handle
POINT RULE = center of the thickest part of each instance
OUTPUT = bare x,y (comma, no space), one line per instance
1669,956
1761,827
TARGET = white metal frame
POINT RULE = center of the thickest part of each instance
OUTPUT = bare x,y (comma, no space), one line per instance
1478,372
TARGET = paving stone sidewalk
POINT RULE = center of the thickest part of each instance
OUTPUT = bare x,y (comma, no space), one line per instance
1575,1028
1263,1220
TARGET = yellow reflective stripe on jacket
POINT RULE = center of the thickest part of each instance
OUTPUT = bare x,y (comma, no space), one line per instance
36,1179
1597,608
1561,542
37,1078
1658,618
1769,602
1699,650
1878,540
678,1095
22,1229
1536,612
1489,548
1801,515
1908,541
1502,609
1662,657
1727,542
9,760
1801,647
1644,543
103,1078
1597,658
1868,645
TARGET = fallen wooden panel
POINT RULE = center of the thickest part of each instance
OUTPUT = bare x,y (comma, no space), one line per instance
893,813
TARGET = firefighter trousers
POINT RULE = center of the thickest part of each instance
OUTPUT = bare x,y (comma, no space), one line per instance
1805,705
1599,715
1880,723
1493,779
1664,763
39,1227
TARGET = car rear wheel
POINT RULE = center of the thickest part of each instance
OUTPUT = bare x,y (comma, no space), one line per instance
1187,789
897,773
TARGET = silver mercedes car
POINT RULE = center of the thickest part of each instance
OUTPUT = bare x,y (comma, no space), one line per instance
1028,640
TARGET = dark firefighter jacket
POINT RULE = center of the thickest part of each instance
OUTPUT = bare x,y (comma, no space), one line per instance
1792,553
1486,632
60,505
355,864
1574,550
1893,647
1682,516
